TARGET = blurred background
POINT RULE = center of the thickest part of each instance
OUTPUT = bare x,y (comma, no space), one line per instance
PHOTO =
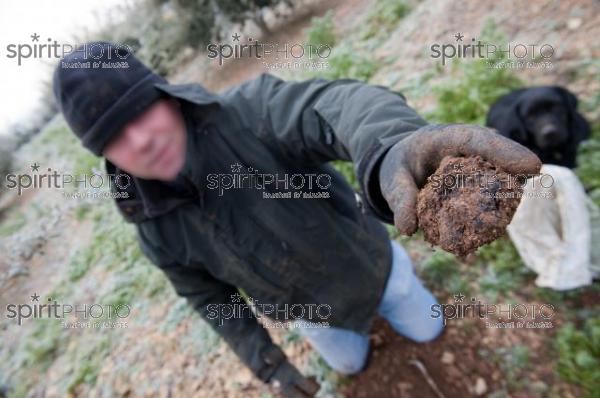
79,250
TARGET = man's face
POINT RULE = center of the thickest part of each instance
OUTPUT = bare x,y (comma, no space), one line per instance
151,146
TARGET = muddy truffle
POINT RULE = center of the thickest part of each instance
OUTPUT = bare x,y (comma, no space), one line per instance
466,203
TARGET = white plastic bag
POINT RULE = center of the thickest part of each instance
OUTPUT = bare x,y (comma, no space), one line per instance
552,230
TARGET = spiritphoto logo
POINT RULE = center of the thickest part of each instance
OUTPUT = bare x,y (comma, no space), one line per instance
282,314
273,55
515,55
38,48
273,186
52,179
497,316
495,185
93,315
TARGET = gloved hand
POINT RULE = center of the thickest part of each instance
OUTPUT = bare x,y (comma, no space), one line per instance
292,384
407,164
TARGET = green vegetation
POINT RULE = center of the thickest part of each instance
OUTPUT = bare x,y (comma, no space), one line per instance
467,99
347,170
352,57
14,221
79,264
164,33
86,361
43,344
443,272
34,354
329,380
347,62
384,16
588,161
322,31
56,141
474,85
579,355
504,271
178,312
514,361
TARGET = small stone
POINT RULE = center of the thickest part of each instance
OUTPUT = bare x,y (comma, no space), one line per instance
447,358
574,23
404,388
539,387
480,386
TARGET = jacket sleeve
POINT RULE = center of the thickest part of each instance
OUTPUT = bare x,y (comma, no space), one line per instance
320,120
206,294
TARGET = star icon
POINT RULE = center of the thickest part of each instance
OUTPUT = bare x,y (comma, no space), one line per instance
459,37
236,298
236,37
236,167
459,297
35,166
35,297
35,37
458,166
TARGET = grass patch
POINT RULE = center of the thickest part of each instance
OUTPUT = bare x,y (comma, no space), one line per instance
504,269
179,311
42,345
579,355
114,247
347,170
588,160
442,272
329,380
384,17
321,31
473,86
514,362
13,223
57,141
79,264
87,360
345,62
82,211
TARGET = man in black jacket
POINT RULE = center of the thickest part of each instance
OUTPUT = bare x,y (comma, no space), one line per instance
234,191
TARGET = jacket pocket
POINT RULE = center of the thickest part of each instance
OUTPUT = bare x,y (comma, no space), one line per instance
265,256
253,271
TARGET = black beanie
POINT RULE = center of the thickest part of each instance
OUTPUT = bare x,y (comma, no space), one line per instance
101,86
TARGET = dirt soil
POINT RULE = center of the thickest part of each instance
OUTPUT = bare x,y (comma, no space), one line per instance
391,371
449,366
466,203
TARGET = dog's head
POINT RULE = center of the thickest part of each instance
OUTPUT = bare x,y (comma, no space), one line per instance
546,114
542,118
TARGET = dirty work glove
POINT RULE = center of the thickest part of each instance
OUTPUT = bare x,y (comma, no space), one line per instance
407,164
292,384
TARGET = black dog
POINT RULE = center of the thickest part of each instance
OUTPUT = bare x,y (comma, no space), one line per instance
544,119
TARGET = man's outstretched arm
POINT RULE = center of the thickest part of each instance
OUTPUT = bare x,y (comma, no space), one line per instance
320,120
393,149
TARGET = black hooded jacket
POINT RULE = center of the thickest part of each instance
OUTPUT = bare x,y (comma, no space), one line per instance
216,228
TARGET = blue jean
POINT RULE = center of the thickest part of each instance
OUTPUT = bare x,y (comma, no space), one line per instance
406,305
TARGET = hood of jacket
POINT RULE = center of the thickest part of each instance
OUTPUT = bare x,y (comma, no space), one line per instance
139,199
